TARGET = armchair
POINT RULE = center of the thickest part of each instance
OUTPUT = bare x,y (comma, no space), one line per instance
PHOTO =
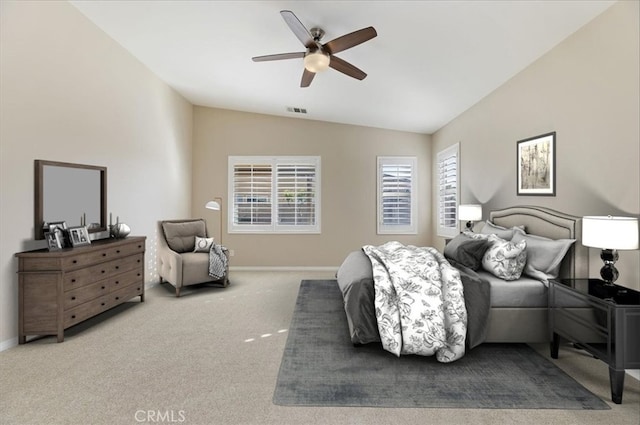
177,263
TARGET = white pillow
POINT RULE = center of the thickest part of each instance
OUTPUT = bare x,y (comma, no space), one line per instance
543,255
505,259
203,244
502,232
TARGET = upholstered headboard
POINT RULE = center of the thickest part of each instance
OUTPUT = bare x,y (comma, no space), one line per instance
550,224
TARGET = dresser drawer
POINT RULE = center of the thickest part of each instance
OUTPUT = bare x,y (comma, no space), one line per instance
87,275
124,250
125,279
86,310
126,293
78,296
101,254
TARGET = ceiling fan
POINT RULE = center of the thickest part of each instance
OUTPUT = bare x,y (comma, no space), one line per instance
318,56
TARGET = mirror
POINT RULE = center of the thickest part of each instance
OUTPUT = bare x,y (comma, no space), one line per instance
73,193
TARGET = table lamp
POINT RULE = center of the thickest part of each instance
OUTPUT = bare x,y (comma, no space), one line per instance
610,234
470,213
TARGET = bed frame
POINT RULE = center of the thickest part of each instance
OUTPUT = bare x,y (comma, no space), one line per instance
531,324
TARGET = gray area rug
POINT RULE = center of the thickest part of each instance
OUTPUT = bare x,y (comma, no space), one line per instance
320,367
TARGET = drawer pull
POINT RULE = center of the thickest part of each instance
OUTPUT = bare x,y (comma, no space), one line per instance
73,280
73,317
139,246
117,282
104,254
102,304
117,298
117,267
102,271
102,287
138,274
75,261
118,251
73,298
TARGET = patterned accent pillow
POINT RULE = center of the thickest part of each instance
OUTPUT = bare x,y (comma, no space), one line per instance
505,259
203,244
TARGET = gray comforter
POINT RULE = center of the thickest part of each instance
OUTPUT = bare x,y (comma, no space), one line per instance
357,286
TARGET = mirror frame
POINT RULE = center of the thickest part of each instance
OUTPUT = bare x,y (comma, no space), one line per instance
39,198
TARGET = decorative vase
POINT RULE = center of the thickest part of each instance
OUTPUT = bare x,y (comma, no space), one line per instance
118,230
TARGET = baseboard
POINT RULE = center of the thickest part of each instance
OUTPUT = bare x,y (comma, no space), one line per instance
283,269
634,372
5,345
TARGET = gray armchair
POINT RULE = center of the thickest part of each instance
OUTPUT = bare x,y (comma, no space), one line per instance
177,263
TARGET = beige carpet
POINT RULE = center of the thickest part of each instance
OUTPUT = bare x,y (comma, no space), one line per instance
212,357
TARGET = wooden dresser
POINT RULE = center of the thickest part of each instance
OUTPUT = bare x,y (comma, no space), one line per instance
59,289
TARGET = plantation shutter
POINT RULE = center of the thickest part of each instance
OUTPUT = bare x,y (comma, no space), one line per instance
274,194
396,195
252,194
296,188
448,191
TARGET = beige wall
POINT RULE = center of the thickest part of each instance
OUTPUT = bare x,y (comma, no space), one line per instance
70,93
587,90
348,155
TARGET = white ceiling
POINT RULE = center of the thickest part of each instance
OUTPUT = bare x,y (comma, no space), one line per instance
430,62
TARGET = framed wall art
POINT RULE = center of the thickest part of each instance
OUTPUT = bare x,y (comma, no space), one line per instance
536,167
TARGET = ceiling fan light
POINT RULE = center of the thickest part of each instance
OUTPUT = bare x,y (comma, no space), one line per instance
316,61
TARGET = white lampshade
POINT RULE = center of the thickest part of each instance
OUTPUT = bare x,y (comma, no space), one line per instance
470,212
316,61
212,205
609,232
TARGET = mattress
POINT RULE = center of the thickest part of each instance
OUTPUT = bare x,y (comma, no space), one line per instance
525,292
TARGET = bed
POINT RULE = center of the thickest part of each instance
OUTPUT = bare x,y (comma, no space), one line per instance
517,310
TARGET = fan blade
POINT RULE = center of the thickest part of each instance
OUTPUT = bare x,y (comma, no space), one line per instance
349,40
307,78
298,29
346,68
278,57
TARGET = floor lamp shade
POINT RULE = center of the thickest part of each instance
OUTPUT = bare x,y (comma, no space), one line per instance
212,205
610,234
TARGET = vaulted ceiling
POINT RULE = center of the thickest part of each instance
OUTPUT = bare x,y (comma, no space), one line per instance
430,62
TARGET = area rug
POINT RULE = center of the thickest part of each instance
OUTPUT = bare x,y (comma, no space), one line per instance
321,367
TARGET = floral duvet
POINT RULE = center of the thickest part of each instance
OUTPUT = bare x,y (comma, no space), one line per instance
419,301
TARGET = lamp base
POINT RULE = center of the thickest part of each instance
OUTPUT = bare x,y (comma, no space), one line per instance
608,272
470,226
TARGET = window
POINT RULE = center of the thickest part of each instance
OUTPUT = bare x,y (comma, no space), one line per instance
448,191
274,194
397,201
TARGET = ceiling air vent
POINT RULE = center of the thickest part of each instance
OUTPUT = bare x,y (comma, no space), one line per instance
296,110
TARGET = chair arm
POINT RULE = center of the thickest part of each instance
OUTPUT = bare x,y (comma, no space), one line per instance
170,267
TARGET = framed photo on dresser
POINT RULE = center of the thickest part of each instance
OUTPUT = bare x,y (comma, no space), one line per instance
54,240
79,236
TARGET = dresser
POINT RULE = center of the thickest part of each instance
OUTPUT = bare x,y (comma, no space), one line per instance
59,289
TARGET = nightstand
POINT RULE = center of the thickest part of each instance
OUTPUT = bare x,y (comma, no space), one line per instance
603,319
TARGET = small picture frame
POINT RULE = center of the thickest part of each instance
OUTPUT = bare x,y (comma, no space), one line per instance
54,241
57,224
536,165
79,236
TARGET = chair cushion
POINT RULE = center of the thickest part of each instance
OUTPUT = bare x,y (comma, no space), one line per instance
181,236
195,268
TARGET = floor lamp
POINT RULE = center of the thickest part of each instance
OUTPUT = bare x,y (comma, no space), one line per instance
216,205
